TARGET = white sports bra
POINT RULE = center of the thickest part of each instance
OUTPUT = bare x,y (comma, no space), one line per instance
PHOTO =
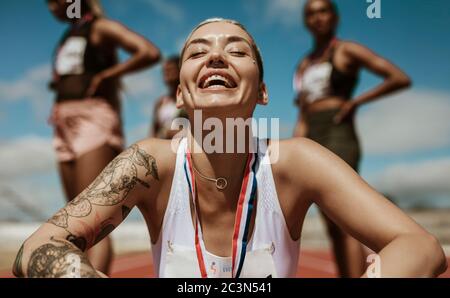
271,252
315,82
167,112
322,80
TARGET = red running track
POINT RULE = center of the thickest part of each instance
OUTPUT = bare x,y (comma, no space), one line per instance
312,264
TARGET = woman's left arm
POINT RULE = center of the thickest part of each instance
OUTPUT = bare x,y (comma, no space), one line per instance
404,248
143,52
394,78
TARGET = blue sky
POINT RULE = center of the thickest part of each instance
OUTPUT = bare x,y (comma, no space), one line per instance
405,137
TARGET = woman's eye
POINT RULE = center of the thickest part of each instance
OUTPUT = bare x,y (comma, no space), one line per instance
197,54
237,53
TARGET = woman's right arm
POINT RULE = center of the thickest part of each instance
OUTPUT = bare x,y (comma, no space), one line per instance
155,124
301,127
57,248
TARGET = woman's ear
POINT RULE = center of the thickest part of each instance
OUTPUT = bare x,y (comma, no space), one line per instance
263,95
180,100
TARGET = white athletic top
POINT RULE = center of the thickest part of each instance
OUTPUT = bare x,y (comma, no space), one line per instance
315,82
271,252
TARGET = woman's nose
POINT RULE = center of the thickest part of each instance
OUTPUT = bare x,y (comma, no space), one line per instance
216,59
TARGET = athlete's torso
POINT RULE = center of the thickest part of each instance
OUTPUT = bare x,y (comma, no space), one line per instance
278,221
166,112
79,56
327,83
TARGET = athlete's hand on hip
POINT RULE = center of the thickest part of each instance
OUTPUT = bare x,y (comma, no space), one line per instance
96,81
346,110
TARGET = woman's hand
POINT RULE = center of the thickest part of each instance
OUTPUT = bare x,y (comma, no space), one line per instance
404,248
96,81
346,110
394,79
143,52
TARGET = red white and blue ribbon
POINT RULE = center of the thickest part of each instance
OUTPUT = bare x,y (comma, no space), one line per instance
245,207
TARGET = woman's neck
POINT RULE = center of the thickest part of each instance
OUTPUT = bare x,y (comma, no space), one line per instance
215,165
322,43
85,17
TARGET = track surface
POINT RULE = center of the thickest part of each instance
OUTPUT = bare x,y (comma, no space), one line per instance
312,264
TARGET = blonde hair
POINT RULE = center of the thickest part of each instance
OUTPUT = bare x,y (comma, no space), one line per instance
255,48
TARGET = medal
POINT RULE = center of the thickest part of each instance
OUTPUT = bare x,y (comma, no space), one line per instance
246,203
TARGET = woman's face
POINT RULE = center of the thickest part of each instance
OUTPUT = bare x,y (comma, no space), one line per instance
219,71
58,9
320,18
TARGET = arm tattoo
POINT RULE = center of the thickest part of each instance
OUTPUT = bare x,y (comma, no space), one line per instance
79,242
111,187
17,268
105,230
59,259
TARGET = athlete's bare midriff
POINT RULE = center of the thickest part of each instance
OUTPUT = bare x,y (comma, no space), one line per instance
324,104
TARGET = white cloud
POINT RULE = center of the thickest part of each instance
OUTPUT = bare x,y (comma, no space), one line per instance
168,9
29,187
284,12
426,182
31,86
32,83
144,85
26,156
413,121
25,199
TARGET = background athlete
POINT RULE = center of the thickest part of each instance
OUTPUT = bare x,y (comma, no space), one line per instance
86,113
165,109
324,82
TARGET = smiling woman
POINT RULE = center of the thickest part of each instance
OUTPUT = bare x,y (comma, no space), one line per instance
239,48
252,226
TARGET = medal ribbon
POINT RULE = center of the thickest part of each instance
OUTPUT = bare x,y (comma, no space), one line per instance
246,203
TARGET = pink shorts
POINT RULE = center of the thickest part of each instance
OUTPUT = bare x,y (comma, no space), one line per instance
84,125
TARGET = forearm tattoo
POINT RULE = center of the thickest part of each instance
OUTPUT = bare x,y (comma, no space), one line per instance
110,188
59,259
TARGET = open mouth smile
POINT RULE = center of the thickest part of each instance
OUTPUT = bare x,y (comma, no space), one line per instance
217,80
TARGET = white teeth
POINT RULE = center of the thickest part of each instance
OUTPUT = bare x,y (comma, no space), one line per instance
216,77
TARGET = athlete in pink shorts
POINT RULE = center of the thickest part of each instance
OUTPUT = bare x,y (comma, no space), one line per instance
86,113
